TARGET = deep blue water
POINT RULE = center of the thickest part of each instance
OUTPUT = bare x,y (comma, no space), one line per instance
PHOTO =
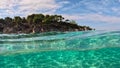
83,49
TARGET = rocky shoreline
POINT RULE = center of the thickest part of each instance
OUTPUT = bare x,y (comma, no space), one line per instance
37,23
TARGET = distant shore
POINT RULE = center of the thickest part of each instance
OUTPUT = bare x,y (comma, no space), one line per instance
37,23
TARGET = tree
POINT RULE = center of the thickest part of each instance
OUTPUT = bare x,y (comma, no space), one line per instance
55,18
8,19
67,20
30,18
24,20
38,18
46,19
60,18
35,22
2,20
17,19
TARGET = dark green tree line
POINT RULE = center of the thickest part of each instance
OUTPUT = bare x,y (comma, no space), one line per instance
38,22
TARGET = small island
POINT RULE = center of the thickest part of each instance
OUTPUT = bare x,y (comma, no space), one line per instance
37,23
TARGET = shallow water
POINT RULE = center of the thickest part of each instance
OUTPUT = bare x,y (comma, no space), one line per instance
87,49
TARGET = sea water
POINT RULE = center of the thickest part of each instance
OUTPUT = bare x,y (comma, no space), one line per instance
82,49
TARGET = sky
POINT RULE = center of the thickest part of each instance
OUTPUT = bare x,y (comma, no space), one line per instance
98,14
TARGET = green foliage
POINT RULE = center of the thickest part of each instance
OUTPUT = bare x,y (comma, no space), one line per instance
30,18
17,19
39,23
38,18
47,19
24,20
60,18
2,20
53,18
8,19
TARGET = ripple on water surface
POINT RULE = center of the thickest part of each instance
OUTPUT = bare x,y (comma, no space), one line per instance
90,49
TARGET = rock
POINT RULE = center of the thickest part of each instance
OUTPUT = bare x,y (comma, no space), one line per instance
8,30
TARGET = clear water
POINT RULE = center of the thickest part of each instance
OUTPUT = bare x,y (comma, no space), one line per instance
87,49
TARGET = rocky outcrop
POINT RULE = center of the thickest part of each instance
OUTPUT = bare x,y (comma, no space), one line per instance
37,23
27,28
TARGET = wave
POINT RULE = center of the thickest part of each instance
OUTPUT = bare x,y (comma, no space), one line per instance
50,41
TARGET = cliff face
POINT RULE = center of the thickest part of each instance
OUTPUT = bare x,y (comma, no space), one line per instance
27,28
37,23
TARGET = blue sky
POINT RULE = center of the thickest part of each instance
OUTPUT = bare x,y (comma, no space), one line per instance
99,14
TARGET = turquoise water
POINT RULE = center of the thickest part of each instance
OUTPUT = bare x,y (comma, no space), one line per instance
87,49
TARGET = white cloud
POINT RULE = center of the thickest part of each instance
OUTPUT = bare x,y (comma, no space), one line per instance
94,17
97,21
33,6
71,17
25,7
6,4
71,6
38,4
64,2
101,18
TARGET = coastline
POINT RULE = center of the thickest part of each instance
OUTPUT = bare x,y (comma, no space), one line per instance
37,23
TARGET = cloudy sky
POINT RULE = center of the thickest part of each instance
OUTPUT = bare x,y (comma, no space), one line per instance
99,14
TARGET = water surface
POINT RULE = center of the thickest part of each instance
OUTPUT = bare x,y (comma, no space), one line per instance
83,49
